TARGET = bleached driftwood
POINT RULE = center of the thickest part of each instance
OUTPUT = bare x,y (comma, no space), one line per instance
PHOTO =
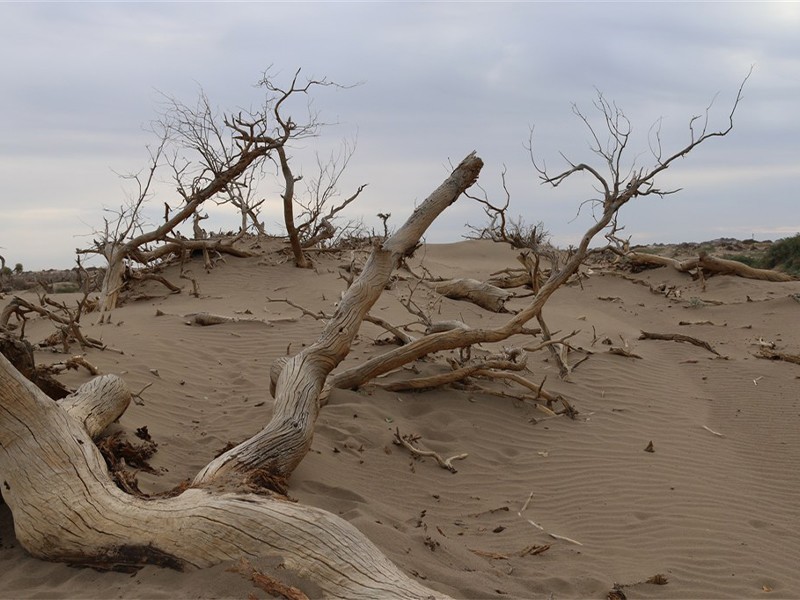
480,293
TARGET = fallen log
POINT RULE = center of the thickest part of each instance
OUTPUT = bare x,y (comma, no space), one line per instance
478,292
710,264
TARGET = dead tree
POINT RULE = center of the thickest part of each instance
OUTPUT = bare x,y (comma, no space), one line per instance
618,184
67,508
279,133
210,157
315,225
243,198
3,273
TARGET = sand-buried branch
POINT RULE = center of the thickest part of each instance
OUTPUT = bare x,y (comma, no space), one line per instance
406,442
540,528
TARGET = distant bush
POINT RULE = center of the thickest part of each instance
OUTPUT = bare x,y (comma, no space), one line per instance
748,259
65,287
785,255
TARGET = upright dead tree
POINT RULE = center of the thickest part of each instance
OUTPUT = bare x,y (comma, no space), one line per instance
209,157
315,225
243,197
3,273
618,181
278,133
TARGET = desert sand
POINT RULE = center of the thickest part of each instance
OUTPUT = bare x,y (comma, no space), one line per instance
712,508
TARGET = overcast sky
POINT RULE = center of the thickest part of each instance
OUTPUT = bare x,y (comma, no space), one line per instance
81,83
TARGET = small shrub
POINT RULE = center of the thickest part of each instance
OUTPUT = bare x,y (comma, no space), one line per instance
65,287
749,259
785,255
695,302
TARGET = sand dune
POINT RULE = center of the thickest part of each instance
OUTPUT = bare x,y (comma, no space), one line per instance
713,508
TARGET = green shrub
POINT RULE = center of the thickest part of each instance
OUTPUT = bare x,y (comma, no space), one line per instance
784,255
748,259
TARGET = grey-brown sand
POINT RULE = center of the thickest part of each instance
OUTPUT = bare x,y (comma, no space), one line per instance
713,508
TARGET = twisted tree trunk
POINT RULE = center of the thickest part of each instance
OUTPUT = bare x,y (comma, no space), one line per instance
66,507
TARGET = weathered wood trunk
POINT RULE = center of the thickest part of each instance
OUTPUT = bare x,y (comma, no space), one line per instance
288,210
113,278
283,443
480,293
66,507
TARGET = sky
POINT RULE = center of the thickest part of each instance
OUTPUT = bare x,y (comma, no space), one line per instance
426,83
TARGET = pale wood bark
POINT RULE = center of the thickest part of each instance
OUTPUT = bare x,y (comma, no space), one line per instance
433,381
98,403
510,280
66,508
283,443
221,245
480,293
710,264
461,337
113,277
721,265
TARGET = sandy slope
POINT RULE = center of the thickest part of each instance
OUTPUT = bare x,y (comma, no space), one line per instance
717,515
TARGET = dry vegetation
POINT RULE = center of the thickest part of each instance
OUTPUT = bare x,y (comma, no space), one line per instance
71,504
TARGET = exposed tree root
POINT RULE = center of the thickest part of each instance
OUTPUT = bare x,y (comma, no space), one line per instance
678,337
773,355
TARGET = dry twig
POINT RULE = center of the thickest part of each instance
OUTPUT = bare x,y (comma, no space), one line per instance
269,584
406,441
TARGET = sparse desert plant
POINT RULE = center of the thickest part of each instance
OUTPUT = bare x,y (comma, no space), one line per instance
751,260
785,255
695,302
